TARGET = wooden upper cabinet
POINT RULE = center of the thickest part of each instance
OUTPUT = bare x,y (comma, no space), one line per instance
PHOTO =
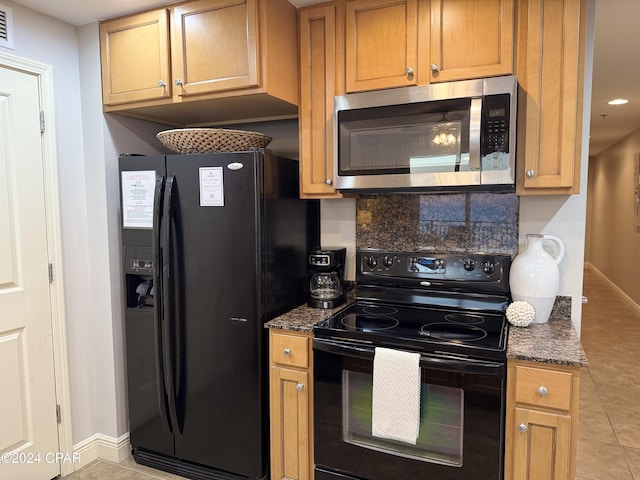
135,58
397,43
550,69
215,46
471,39
381,44
216,61
317,89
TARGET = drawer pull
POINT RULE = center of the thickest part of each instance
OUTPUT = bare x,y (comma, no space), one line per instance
287,351
542,390
522,427
299,387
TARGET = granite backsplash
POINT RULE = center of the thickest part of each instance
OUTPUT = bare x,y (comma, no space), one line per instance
439,223
444,223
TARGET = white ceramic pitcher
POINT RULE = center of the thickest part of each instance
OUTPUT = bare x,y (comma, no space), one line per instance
534,276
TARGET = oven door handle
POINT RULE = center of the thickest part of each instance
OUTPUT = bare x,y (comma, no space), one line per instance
435,361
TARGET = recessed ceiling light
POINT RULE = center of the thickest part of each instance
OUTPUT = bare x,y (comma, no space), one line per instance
618,101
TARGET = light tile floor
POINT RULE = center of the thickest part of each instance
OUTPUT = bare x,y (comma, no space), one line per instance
127,470
609,418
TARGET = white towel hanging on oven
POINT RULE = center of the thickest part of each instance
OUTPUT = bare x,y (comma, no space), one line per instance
395,410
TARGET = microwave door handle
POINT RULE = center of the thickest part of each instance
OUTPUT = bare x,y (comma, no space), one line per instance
474,133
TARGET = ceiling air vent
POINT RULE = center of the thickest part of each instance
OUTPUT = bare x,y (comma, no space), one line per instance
6,27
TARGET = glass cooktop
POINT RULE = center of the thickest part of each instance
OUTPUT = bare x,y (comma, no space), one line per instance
474,334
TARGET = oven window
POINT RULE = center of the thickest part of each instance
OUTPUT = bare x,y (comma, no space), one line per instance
441,421
413,138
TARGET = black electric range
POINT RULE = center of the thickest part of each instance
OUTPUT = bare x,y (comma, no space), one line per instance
447,304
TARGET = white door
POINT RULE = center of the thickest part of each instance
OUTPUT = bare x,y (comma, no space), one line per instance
28,428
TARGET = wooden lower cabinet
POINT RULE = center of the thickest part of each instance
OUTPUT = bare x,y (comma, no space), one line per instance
542,421
291,396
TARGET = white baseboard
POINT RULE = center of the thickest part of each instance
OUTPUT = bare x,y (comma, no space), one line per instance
614,287
102,447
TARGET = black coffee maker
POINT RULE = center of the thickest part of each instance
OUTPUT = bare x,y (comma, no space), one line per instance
325,277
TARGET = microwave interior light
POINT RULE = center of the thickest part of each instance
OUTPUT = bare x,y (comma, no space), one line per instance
618,101
444,139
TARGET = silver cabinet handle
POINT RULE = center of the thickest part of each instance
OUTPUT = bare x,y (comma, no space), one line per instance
409,71
542,390
434,67
522,427
328,181
530,174
287,351
161,83
177,81
299,387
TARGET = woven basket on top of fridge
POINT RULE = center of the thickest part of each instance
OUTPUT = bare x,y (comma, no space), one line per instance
209,140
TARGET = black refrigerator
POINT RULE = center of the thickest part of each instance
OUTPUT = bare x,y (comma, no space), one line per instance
214,246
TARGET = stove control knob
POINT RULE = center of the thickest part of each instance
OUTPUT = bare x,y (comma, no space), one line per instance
489,267
387,261
372,262
469,264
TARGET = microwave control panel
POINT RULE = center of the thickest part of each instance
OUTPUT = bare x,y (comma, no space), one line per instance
495,123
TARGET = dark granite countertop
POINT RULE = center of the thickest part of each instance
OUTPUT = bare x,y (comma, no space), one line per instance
555,342
303,318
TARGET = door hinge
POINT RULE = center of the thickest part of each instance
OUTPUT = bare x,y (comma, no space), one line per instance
58,415
42,122
50,273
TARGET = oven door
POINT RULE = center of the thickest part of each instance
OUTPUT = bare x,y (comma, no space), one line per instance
461,419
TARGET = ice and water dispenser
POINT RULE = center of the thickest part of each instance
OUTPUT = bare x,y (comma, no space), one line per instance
138,270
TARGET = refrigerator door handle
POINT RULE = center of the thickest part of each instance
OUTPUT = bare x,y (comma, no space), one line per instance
158,304
169,304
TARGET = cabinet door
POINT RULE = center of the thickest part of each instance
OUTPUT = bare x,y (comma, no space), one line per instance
289,424
381,44
541,445
214,46
471,39
317,89
134,52
550,72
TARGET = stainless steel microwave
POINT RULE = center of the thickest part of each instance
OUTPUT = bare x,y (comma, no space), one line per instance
442,136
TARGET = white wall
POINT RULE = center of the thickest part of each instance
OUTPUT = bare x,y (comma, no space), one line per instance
614,237
105,334
105,137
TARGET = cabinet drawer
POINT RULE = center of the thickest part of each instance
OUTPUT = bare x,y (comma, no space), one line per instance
545,388
291,350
